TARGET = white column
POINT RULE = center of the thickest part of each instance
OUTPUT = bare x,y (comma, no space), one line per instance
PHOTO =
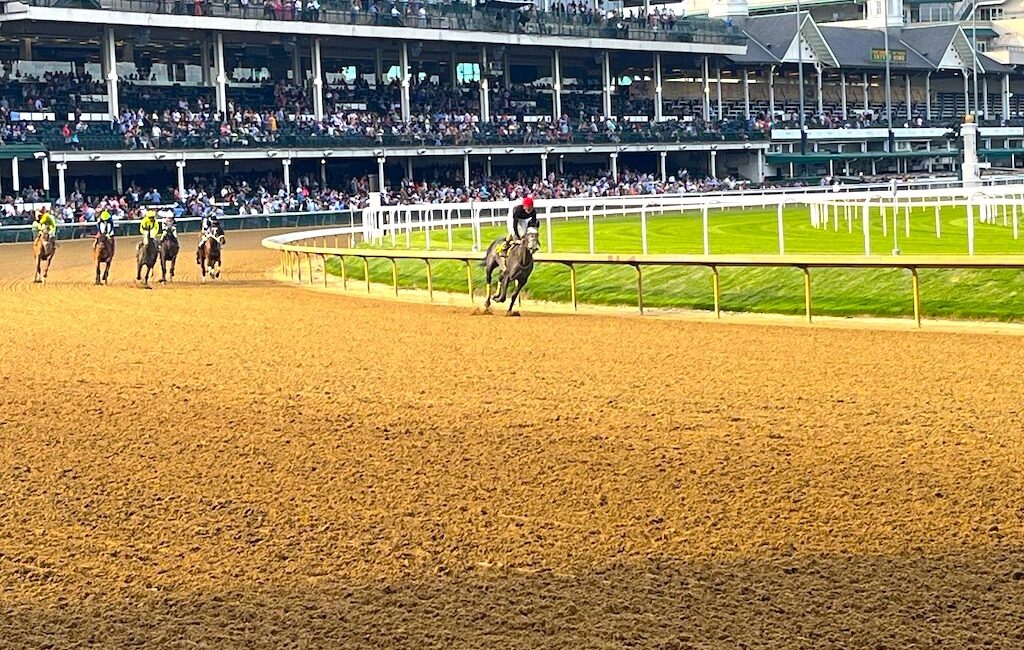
714,164
455,69
465,170
180,164
967,96
658,91
664,166
928,95
718,83
771,91
842,93
318,80
408,168
287,165
746,93
867,85
606,85
222,75
45,164
15,175
485,85
706,92
118,178
403,65
378,67
487,168
109,65
910,98
380,173
556,84
204,60
543,166
297,79
615,165
62,190
821,99
1006,97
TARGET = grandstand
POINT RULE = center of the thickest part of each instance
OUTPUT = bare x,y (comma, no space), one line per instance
161,89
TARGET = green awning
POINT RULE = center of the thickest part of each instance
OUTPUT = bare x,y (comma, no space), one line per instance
20,150
1001,152
825,156
983,32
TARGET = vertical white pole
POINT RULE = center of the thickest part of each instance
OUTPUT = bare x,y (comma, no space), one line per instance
782,236
704,225
906,219
970,228
590,230
448,221
15,175
1015,221
643,227
408,227
885,219
426,226
549,235
938,221
46,174
866,222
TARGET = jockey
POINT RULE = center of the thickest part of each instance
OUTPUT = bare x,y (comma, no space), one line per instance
210,228
522,217
170,228
105,226
149,227
44,221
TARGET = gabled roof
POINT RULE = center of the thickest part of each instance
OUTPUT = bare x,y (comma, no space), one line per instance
770,38
930,41
853,45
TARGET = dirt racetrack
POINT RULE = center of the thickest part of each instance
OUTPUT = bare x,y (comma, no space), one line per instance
253,464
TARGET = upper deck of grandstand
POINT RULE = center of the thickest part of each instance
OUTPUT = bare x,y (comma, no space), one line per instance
495,22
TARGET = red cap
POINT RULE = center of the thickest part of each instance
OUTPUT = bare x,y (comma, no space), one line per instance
527,202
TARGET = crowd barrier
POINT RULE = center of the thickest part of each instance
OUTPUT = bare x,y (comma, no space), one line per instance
299,250
79,230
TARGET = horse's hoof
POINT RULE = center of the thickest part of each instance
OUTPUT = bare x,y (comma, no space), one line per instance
513,314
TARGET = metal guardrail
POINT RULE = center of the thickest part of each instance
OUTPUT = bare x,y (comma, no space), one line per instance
294,251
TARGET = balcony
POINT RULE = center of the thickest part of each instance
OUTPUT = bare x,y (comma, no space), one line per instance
447,16
1006,54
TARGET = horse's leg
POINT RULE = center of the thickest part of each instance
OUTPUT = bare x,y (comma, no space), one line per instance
174,262
106,272
515,294
97,272
163,269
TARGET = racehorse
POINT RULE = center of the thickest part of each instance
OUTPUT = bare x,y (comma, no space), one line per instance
209,258
145,256
43,248
168,255
103,253
517,268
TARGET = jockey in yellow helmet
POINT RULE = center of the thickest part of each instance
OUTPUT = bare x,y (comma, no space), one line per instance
149,227
44,222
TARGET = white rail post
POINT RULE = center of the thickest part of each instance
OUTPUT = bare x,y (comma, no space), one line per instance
590,229
704,226
474,213
970,227
448,221
430,217
938,221
548,235
782,235
408,227
885,218
643,227
906,220
1015,221
866,219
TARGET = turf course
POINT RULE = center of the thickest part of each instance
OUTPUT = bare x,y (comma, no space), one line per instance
993,295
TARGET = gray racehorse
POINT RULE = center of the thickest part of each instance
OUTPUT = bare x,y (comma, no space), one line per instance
145,256
517,268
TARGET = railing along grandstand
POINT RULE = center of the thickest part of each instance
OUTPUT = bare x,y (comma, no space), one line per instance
447,16
186,224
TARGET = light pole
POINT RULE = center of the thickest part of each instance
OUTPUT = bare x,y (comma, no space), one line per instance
888,74
800,66
974,51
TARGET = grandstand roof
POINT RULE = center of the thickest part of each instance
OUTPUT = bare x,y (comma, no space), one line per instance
927,47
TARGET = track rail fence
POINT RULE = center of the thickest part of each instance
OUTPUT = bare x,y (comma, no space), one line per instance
299,250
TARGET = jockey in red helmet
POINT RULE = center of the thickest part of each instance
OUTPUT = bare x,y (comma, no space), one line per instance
522,217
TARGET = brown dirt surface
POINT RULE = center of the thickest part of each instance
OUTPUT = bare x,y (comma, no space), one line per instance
253,464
